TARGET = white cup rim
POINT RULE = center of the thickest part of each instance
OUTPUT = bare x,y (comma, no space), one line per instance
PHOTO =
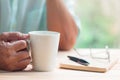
44,33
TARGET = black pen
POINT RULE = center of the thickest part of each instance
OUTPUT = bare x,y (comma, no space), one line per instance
80,61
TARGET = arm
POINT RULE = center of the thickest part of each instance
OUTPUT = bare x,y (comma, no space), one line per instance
59,19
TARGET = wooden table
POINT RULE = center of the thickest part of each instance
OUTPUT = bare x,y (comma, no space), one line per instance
63,74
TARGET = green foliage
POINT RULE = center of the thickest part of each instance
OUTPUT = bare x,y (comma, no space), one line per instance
95,31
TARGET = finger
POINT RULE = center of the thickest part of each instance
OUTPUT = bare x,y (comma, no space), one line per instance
13,36
23,64
19,45
22,55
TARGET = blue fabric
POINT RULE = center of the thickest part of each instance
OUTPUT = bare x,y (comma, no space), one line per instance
22,15
25,15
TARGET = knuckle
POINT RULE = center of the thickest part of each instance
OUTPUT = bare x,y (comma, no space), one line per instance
18,33
29,61
23,43
25,54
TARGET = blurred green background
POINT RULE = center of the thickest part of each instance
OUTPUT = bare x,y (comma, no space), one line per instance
100,20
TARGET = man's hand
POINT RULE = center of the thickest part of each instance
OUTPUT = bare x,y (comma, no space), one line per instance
13,53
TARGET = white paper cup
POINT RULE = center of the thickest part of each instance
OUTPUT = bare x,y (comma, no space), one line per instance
44,49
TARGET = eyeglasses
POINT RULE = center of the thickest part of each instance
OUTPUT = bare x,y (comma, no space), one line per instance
104,55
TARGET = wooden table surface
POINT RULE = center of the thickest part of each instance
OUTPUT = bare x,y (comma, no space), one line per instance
63,74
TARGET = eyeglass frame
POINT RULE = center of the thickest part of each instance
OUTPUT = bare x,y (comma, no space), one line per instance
91,54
